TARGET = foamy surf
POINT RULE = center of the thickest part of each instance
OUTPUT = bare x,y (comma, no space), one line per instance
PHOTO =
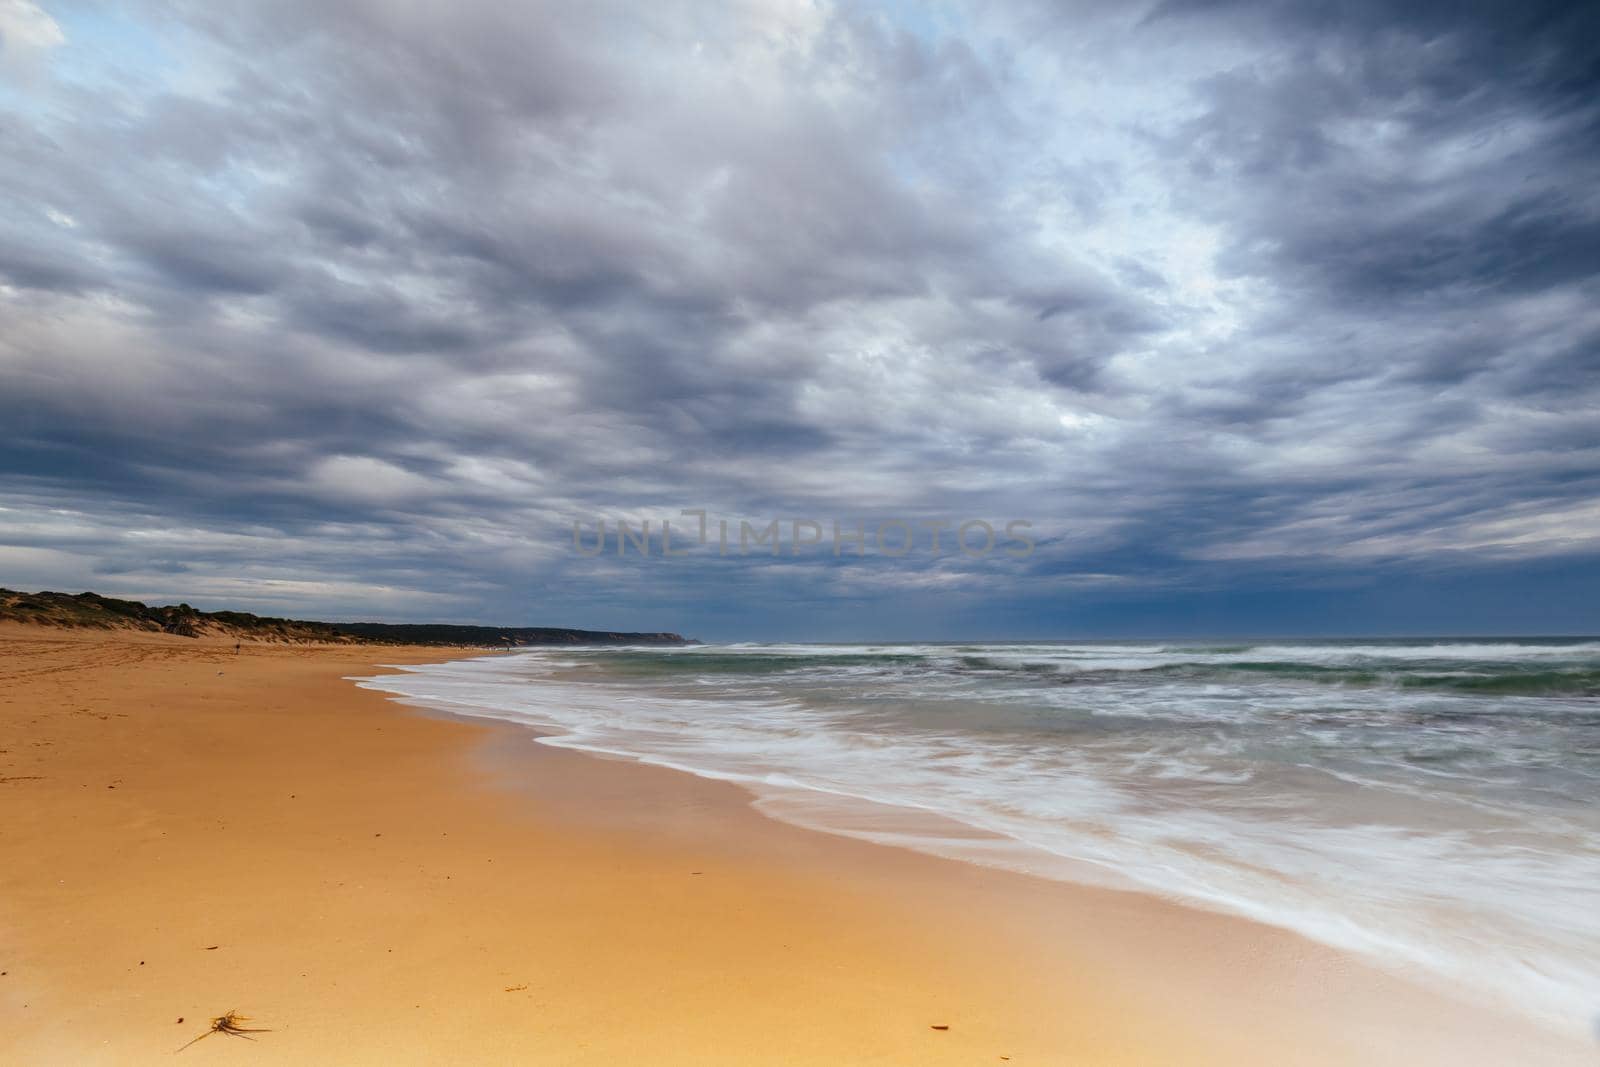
1427,804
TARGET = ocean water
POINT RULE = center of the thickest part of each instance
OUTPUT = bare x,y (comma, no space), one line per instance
1433,805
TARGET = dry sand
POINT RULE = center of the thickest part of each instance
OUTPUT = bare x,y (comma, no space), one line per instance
185,832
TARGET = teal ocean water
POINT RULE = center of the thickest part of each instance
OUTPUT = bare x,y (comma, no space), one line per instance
1433,805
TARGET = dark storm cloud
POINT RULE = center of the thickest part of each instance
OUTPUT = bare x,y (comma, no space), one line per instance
354,307
1475,48
1402,152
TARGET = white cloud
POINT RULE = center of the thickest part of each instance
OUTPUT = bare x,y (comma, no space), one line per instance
366,479
27,36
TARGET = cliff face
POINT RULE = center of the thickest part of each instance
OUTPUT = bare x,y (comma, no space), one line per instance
107,613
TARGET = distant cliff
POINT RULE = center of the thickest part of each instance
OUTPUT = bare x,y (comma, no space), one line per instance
90,610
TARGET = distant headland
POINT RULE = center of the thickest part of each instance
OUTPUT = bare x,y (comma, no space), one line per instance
92,611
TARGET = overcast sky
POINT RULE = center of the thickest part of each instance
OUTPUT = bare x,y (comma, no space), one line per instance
1268,317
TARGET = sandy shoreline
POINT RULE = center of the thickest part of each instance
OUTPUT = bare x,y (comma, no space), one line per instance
185,831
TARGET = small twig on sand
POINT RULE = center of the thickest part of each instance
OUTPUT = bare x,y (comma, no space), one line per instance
229,1024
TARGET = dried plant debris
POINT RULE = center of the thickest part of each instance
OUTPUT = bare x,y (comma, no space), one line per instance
228,1023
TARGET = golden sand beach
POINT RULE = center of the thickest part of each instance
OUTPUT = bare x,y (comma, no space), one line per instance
186,831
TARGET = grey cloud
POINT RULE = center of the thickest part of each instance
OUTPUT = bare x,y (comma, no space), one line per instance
407,289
